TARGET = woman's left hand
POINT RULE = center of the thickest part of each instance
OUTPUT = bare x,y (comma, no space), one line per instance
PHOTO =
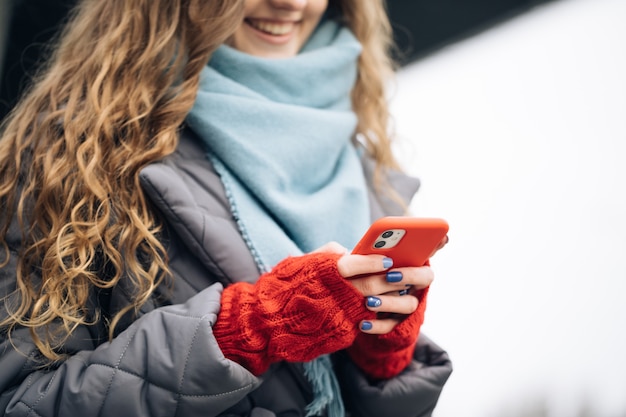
385,346
393,291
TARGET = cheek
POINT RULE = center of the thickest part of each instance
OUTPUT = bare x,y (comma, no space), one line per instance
250,6
317,8
315,11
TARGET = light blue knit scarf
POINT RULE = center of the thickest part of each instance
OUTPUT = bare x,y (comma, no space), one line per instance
278,132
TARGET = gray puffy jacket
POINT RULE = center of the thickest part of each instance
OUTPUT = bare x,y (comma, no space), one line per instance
166,362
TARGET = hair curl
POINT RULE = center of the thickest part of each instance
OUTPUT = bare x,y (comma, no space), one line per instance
109,101
369,22
115,91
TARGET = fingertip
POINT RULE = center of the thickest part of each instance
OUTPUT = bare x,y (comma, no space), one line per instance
366,326
378,326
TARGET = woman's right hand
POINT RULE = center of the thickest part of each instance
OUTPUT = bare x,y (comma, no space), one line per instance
303,308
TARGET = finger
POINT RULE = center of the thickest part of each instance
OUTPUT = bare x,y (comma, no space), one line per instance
392,304
332,247
443,242
355,265
395,280
419,277
378,326
373,285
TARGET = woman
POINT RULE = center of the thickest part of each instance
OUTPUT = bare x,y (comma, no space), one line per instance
165,226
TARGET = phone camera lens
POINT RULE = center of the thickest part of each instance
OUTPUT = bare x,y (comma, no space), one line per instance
379,244
387,234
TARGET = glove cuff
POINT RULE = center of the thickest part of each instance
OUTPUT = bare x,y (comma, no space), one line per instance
300,310
385,356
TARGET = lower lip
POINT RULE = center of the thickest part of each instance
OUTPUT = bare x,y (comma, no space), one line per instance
274,39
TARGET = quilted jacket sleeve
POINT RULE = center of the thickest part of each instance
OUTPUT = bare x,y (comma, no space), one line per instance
413,393
167,363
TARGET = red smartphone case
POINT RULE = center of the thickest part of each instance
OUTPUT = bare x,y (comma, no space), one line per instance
421,236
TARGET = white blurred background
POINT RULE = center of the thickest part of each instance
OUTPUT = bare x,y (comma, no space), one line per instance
519,137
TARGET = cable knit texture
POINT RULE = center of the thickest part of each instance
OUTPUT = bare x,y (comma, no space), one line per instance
300,310
385,356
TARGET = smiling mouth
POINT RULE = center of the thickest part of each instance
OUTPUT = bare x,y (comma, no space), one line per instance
271,28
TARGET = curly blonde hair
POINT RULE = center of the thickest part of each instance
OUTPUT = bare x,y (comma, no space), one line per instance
369,22
110,101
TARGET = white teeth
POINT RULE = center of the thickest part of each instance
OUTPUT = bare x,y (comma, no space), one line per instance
271,28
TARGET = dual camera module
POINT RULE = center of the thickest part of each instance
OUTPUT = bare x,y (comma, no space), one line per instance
389,238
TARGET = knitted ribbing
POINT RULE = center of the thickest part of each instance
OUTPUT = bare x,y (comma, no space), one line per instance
300,310
385,356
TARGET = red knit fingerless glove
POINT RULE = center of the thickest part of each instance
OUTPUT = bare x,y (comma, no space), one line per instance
300,310
385,356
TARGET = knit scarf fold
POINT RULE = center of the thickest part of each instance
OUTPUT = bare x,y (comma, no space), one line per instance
278,132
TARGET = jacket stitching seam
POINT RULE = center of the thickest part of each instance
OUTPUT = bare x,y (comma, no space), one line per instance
194,317
181,394
28,357
115,369
31,410
168,207
182,378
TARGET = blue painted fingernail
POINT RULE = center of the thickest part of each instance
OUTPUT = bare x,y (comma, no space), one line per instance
394,276
366,325
374,301
387,263
404,292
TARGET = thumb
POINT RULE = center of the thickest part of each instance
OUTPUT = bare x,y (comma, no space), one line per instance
332,247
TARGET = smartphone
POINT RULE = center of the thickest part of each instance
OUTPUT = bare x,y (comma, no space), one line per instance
409,241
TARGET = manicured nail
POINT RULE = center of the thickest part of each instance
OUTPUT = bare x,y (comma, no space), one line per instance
366,325
394,276
387,263
404,292
374,301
